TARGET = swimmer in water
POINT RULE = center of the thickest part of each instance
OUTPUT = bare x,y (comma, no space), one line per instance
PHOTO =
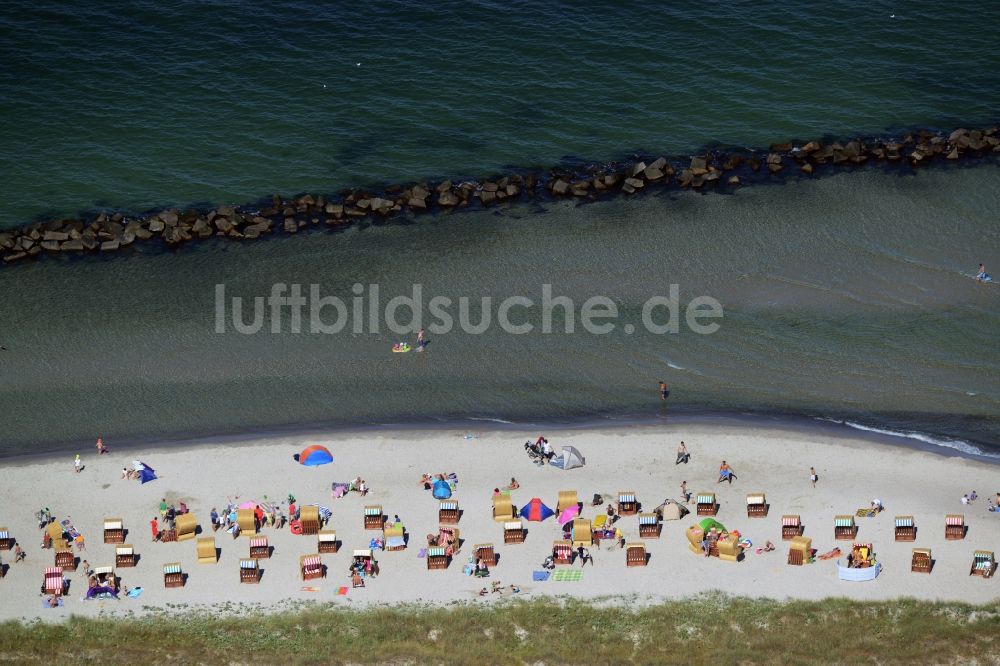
982,275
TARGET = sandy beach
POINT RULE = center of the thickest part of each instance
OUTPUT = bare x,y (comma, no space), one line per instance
852,471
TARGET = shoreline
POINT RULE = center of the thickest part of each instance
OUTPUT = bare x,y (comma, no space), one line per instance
795,423
638,459
717,169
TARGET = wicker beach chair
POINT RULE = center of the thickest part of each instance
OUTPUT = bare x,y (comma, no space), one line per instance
247,522
729,548
114,530
707,504
844,528
65,559
627,504
105,574
757,505
635,554
374,517
567,498
53,581
449,535
186,526
583,533
485,552
311,567
799,550
448,513
259,548
172,575
206,550
437,558
649,526
394,538
983,564
503,509
513,531
562,552
921,561
791,527
954,527
250,571
6,541
309,518
905,530
327,541
125,555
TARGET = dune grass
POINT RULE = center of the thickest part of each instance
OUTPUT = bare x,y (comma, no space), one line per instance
710,629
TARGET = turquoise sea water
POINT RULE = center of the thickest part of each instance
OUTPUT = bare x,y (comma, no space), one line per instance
147,104
846,297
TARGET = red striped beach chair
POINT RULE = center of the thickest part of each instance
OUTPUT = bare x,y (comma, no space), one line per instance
311,566
259,548
791,527
53,582
954,527
562,552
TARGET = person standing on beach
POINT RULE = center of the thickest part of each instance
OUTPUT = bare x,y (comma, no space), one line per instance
420,340
682,454
77,464
813,476
664,391
684,492
154,528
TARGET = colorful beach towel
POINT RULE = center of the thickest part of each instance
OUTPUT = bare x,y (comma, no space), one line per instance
135,592
568,575
422,553
865,513
539,576
45,602
342,591
310,588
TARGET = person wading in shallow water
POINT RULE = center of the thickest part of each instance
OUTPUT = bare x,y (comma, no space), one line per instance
664,391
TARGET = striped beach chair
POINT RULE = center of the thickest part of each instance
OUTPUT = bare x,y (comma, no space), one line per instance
172,575
53,582
6,541
921,561
513,531
114,530
562,552
905,529
437,558
627,504
707,506
791,527
311,567
259,548
327,541
954,527
983,564
649,526
374,517
125,555
756,505
249,571
844,528
448,512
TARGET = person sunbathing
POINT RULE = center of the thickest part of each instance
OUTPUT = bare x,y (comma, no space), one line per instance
426,480
514,485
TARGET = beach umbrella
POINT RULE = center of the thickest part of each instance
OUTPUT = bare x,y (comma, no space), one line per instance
708,523
315,455
569,513
536,510
441,489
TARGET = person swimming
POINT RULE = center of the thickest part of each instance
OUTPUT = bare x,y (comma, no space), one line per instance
982,275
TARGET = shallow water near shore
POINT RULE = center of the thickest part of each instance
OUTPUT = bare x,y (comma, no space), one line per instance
847,297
